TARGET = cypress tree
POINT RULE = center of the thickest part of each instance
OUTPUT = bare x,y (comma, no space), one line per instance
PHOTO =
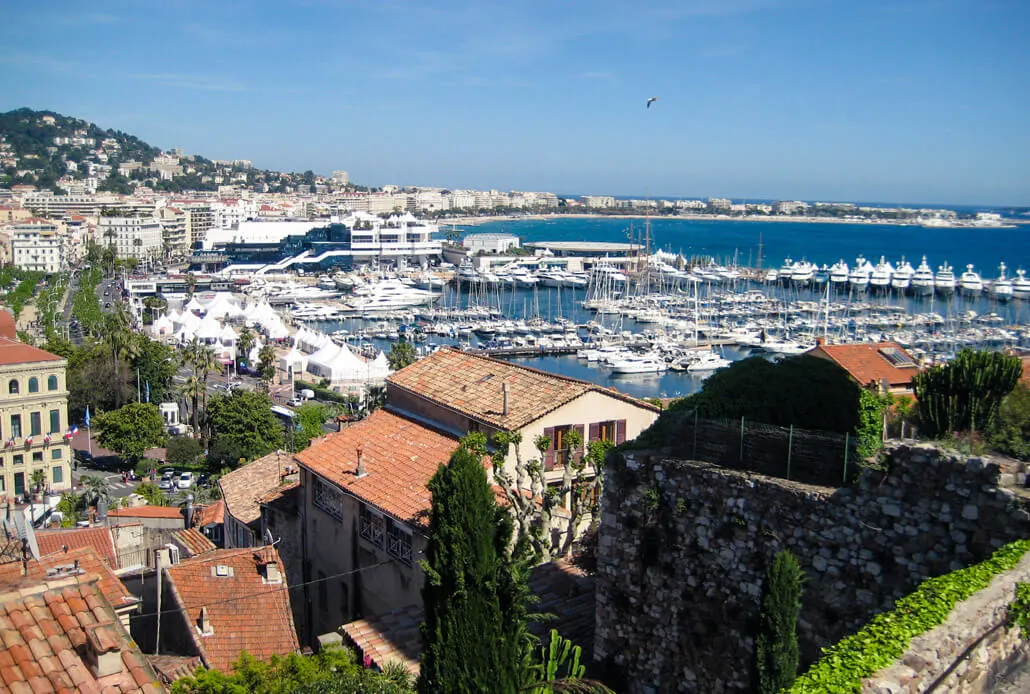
473,613
776,653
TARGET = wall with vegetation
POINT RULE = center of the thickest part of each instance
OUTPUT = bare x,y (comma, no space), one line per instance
684,546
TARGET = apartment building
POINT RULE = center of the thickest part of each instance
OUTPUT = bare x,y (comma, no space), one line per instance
174,231
37,245
33,419
132,237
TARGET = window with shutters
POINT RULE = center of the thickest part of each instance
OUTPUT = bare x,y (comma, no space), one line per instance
55,421
327,497
606,431
16,426
371,525
560,444
35,424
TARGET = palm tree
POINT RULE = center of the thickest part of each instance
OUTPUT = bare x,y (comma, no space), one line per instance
203,361
266,357
191,284
96,490
192,390
244,344
122,343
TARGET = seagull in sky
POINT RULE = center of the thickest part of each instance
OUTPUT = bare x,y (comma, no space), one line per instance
651,101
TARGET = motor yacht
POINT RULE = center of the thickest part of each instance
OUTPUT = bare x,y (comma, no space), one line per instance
944,280
786,270
802,273
880,277
1021,285
859,276
708,361
771,276
1001,289
970,283
839,273
922,279
639,364
902,279
822,275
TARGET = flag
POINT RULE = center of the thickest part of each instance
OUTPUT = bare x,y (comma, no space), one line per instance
28,440
87,417
74,430
147,391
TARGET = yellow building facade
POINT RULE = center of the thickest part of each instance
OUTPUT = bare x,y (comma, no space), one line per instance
33,421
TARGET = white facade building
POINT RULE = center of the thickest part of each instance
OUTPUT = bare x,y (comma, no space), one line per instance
37,245
490,243
132,237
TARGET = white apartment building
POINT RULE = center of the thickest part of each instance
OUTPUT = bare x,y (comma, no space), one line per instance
37,245
598,201
229,213
132,237
174,232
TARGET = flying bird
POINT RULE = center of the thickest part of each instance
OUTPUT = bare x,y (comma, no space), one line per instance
651,101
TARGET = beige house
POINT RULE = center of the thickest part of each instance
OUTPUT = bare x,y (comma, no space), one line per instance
33,419
364,503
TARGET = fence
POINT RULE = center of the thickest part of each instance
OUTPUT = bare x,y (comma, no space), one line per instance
814,457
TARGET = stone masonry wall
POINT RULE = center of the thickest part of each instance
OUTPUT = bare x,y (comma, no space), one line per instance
968,654
684,546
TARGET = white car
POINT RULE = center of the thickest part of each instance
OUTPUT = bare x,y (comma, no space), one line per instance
185,480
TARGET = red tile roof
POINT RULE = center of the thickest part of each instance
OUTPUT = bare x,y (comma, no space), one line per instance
7,325
867,363
87,560
242,487
170,512
99,538
14,352
471,384
213,514
48,627
285,499
245,612
170,668
400,456
192,542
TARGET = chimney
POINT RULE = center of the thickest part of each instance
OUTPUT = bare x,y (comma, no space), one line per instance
204,625
504,394
360,472
103,652
819,342
189,511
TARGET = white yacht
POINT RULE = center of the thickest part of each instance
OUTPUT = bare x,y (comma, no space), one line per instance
822,275
802,273
903,274
707,361
388,295
786,270
1001,289
524,279
970,282
944,280
922,280
880,277
1021,285
771,276
639,364
860,274
839,272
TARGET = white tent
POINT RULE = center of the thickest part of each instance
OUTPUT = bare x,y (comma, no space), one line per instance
228,337
163,326
223,306
209,330
295,360
275,329
190,321
379,369
183,335
320,363
255,354
193,306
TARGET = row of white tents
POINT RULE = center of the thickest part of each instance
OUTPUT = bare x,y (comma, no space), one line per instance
317,354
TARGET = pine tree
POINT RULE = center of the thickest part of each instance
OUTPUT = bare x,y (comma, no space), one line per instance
474,624
777,644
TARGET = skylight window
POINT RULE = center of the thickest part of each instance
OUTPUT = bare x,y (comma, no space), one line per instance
896,357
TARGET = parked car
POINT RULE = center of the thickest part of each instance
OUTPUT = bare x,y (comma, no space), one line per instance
185,480
165,484
203,481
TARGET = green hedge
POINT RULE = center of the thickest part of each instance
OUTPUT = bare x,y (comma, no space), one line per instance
885,638
323,393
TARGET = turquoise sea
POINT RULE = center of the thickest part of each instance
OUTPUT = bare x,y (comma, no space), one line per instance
819,242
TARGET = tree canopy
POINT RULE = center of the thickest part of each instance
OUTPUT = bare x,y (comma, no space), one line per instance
131,429
243,426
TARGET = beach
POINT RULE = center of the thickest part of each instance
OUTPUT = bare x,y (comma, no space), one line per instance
486,219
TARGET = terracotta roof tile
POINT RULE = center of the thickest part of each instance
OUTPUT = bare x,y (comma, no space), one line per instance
99,538
170,512
284,499
867,362
564,591
471,384
242,488
211,515
245,612
62,563
400,456
14,352
55,664
192,542
172,667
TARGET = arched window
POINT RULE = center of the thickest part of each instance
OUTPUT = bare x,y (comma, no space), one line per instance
12,386
51,382
33,385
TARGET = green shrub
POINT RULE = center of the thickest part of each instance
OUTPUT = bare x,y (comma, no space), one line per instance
886,637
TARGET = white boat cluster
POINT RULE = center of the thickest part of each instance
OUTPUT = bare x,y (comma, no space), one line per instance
902,278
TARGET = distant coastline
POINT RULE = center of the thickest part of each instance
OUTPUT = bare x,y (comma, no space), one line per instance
478,220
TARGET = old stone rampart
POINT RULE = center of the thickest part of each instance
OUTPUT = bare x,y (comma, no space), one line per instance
683,549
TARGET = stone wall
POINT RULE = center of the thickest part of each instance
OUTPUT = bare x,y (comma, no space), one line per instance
683,549
971,652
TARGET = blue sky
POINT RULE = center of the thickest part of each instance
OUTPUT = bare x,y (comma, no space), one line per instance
876,100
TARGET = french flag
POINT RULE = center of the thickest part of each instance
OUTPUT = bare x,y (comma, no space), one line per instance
74,431
28,440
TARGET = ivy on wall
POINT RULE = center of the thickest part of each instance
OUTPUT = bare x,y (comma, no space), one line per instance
886,637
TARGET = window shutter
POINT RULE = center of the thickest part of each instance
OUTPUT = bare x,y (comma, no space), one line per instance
620,431
595,432
583,442
549,455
